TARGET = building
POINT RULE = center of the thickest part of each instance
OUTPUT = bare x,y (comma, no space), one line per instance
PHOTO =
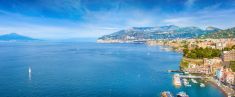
199,69
230,78
213,64
220,45
212,61
228,56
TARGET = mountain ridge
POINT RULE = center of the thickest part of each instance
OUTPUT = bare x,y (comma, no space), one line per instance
15,37
161,32
226,33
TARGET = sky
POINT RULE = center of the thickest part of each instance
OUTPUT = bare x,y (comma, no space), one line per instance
64,19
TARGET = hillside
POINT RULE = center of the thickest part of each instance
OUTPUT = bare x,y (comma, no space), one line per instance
228,33
163,32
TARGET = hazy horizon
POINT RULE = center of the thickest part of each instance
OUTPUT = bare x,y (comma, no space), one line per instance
69,19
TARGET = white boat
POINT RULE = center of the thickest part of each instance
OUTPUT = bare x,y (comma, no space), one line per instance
182,94
30,73
166,94
29,70
194,81
186,83
177,81
186,72
202,85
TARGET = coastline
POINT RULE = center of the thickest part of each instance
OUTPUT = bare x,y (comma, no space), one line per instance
217,86
227,92
225,89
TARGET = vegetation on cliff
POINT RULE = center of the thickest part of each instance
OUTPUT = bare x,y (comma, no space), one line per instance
229,48
183,64
232,65
199,53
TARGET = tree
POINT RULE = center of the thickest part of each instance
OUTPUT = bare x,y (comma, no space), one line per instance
185,51
199,53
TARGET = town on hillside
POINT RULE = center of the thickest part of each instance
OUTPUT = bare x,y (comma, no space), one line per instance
213,58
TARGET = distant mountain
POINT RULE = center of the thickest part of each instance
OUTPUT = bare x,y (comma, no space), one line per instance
227,33
210,28
14,36
163,32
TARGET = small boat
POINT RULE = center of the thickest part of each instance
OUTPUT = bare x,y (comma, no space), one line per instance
202,85
194,81
30,73
186,83
186,72
182,94
29,70
166,94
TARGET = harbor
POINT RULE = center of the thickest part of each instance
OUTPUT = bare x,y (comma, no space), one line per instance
179,79
188,80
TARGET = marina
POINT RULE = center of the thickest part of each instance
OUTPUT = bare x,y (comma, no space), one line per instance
178,80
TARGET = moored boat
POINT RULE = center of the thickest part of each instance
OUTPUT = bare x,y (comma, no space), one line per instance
166,94
29,70
177,81
194,81
182,94
202,85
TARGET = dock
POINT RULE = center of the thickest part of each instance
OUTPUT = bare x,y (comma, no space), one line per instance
177,71
192,76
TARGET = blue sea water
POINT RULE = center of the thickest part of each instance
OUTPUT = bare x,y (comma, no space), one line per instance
67,69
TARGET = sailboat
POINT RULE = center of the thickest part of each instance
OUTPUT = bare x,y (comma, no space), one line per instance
30,73
29,70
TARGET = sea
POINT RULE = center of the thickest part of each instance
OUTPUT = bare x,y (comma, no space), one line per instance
89,69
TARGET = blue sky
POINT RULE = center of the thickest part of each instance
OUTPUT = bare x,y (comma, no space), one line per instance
62,19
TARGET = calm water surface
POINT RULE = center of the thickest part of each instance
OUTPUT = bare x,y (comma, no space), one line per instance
90,70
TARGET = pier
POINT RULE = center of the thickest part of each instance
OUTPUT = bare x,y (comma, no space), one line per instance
178,71
192,76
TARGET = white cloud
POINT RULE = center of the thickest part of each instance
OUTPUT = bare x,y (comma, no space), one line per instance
203,18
